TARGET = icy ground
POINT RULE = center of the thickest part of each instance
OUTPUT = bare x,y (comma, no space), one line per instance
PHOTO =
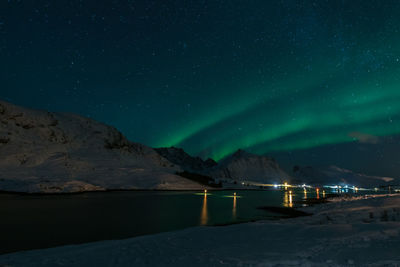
361,231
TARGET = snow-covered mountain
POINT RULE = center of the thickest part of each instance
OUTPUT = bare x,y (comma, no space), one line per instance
179,157
56,152
244,166
334,175
240,166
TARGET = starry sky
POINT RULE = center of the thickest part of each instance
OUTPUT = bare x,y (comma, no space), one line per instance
308,82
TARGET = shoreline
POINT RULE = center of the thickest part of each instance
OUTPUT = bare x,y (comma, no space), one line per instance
358,231
274,214
270,215
134,190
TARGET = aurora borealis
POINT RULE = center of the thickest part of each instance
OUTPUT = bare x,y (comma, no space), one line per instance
211,76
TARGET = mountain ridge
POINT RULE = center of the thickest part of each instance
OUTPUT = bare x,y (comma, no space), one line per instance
51,152
239,166
334,175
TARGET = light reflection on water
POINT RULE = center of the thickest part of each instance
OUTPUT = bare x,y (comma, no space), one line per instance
90,217
234,207
204,213
288,199
204,217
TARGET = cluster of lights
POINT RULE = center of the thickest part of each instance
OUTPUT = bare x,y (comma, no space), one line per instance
338,188
286,185
288,198
345,187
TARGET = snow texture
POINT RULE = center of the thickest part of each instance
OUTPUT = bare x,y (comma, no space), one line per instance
360,231
46,152
240,166
191,164
245,166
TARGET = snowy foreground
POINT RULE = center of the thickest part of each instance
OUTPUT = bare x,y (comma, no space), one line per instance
361,231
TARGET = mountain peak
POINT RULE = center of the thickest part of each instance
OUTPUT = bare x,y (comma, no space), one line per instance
240,153
338,176
62,152
179,157
242,165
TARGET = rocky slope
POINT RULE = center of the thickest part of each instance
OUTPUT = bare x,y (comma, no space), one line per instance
179,157
334,175
244,166
240,166
55,152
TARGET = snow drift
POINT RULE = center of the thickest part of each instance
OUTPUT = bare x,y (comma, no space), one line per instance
57,152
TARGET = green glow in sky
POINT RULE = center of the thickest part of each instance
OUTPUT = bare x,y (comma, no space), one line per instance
210,76
316,111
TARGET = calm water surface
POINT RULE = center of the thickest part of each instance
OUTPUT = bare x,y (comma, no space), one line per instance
39,221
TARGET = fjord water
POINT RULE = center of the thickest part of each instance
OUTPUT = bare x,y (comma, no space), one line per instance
41,221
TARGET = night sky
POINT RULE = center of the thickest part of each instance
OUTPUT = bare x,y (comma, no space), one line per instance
307,82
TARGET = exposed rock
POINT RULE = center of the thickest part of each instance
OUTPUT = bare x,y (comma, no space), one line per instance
244,166
240,166
179,157
56,152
